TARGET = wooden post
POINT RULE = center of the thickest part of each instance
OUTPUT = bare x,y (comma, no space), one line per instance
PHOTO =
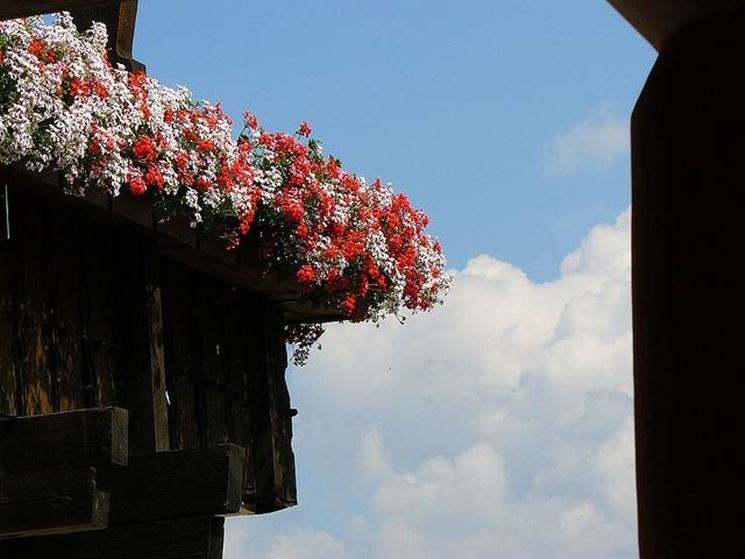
119,17
281,413
154,318
688,146
138,327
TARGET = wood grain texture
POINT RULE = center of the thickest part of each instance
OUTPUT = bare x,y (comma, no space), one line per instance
119,18
9,401
154,321
63,440
32,321
188,538
176,240
51,502
181,343
140,387
178,484
281,413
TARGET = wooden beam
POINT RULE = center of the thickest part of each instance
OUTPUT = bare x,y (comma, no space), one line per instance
89,437
10,9
154,316
51,502
176,240
271,459
119,18
177,484
658,20
188,538
281,412
140,387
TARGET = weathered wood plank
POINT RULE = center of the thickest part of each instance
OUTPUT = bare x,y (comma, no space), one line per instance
63,440
51,502
8,386
139,388
281,413
178,484
175,240
181,342
259,482
32,314
97,286
119,19
64,281
134,209
237,365
210,327
154,318
188,538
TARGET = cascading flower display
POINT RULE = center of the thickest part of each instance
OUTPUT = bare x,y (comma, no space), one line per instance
356,247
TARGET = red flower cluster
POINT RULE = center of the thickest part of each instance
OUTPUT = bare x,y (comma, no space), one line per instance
359,248
352,246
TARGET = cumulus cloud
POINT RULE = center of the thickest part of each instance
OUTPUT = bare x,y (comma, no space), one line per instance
598,140
499,425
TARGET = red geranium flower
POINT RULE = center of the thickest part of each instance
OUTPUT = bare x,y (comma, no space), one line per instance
137,185
305,129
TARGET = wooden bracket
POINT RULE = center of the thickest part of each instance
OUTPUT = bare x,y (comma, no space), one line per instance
50,468
178,484
52,502
91,437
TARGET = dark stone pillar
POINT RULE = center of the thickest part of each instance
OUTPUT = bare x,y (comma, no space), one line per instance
688,244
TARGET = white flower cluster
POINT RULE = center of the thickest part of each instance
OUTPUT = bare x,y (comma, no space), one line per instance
64,107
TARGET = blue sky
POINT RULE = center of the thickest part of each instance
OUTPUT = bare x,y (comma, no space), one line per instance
453,103
501,424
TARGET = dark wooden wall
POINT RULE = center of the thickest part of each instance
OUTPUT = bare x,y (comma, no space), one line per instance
92,314
225,361
73,328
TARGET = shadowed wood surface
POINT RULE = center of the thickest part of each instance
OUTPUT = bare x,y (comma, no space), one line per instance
119,18
188,538
177,484
51,502
64,440
225,361
175,239
96,314
688,140
280,413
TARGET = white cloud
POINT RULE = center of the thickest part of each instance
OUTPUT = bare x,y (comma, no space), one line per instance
598,140
373,460
306,545
499,425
